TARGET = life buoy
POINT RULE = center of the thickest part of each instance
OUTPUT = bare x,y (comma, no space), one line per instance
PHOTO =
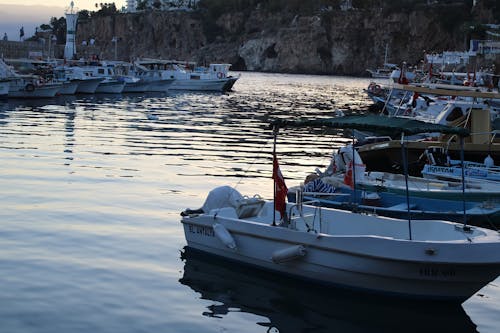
220,75
29,87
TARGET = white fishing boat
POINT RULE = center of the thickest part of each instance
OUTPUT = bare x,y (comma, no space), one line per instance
68,87
187,76
341,171
133,84
86,84
109,83
152,77
422,259
386,70
127,73
110,86
440,166
29,86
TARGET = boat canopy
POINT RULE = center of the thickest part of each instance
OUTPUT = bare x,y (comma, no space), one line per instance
393,126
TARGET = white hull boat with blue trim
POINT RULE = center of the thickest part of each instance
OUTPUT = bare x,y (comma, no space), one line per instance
422,259
429,259
187,76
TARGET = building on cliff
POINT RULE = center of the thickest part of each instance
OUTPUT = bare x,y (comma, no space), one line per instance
161,5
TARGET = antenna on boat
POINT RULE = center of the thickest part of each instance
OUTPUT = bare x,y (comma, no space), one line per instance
353,171
463,179
405,169
275,136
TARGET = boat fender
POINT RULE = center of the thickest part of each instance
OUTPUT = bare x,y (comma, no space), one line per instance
224,236
29,87
489,162
289,253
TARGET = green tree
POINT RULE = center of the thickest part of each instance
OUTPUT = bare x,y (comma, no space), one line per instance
142,5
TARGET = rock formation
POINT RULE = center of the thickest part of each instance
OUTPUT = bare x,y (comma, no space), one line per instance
327,42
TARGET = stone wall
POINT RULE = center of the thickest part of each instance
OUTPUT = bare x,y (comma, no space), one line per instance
13,49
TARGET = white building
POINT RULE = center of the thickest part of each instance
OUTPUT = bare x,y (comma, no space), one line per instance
131,6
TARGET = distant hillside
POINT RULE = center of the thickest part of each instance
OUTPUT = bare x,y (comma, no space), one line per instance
313,36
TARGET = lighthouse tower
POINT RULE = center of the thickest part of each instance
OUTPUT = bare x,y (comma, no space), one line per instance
71,17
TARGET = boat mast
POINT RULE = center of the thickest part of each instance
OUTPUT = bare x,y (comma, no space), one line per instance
275,135
463,178
405,167
385,57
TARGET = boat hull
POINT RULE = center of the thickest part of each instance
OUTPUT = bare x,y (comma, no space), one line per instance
159,85
381,265
47,91
68,88
88,86
110,87
131,87
203,85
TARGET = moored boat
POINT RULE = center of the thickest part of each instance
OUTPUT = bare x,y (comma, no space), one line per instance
424,259
29,86
187,76
430,259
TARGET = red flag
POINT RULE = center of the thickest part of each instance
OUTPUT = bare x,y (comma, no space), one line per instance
348,176
280,187
402,77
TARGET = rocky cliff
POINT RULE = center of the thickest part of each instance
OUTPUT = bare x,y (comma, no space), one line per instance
326,42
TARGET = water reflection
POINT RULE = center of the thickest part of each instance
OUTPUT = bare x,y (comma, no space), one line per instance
297,306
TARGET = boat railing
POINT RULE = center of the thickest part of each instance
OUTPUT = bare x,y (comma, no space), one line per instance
296,212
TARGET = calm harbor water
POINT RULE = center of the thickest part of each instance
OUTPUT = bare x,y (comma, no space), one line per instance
92,188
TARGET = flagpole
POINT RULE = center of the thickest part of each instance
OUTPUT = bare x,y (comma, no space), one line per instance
275,134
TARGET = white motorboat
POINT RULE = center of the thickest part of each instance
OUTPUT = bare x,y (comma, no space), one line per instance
138,79
27,86
155,82
68,87
424,259
134,84
86,84
30,86
386,70
430,259
440,166
187,76
110,86
109,83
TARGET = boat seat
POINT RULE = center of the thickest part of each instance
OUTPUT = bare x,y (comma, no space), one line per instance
249,207
402,206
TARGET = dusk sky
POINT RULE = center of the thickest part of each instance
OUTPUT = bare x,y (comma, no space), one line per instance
30,14
81,4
